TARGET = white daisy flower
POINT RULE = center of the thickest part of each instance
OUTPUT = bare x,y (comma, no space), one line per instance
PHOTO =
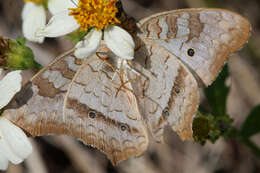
34,15
9,86
97,16
14,144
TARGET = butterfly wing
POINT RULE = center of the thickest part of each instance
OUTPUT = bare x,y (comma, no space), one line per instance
38,107
102,116
167,92
202,38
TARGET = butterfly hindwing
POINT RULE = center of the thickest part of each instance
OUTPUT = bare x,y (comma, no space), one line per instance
167,92
202,38
37,108
102,116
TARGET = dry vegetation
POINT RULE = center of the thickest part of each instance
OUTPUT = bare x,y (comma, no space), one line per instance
65,154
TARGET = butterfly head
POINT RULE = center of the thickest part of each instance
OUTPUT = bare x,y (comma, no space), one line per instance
127,22
120,9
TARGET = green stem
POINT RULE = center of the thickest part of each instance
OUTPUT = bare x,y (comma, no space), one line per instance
254,148
247,142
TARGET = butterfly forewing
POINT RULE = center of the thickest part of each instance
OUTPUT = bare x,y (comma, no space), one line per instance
167,92
103,116
38,107
202,38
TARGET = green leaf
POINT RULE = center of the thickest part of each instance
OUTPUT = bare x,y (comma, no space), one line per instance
217,93
251,125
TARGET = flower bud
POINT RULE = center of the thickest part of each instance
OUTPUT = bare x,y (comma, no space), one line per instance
15,55
201,128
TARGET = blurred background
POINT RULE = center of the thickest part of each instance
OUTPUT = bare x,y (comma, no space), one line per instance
65,154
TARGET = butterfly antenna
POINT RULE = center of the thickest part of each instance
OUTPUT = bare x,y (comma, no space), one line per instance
130,66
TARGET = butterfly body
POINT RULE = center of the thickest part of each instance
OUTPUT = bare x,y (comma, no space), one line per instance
115,110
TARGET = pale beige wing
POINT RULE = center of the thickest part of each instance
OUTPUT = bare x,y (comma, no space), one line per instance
167,92
38,107
202,38
99,116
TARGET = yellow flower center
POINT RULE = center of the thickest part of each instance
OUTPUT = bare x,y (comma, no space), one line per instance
35,1
95,13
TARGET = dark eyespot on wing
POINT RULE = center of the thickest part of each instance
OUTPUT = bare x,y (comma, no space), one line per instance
123,127
92,114
191,52
177,90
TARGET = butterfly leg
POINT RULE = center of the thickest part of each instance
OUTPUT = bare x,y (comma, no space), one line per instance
125,87
121,65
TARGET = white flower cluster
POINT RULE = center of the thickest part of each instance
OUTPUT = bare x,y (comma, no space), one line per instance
14,144
119,41
34,17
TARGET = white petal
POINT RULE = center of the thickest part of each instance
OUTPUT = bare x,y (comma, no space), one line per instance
89,45
56,6
34,17
16,140
6,151
27,8
9,86
3,162
120,42
60,24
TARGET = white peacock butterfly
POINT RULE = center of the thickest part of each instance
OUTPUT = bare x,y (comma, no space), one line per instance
82,98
